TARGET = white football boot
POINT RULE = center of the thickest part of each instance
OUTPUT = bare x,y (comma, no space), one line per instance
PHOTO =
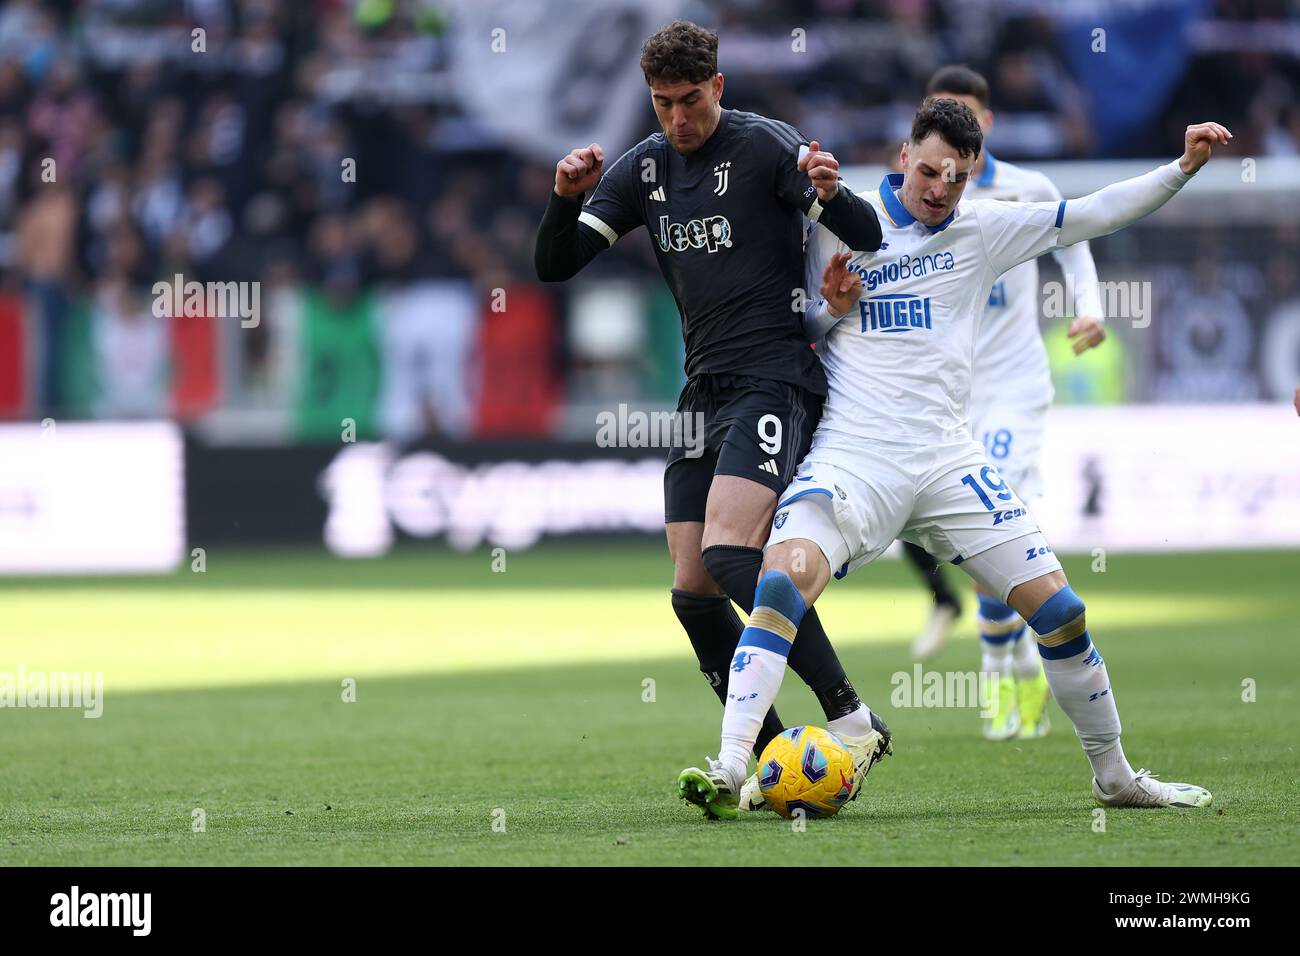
868,750
1146,791
751,795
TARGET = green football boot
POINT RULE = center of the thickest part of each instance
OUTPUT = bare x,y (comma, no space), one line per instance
710,790
1004,723
1032,697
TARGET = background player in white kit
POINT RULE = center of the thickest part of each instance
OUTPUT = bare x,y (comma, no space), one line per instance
893,455
1011,391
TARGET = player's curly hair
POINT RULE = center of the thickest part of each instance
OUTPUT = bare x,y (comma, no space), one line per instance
681,52
953,121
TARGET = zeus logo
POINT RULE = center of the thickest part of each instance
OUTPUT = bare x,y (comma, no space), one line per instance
722,171
709,234
895,313
1001,516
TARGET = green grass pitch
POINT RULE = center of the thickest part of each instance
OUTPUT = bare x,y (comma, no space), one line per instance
524,699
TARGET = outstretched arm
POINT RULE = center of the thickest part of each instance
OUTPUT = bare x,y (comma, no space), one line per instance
1014,232
1119,204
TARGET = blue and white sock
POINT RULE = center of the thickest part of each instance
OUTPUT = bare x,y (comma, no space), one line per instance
1026,662
758,667
1077,675
999,628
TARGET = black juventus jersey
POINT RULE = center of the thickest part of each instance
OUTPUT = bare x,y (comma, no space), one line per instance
727,225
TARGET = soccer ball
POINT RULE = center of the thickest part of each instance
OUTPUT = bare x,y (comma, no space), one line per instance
808,769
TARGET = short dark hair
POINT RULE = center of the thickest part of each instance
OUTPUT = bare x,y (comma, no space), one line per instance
681,52
953,121
959,79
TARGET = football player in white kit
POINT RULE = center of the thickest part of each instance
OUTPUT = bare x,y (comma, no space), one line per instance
894,457
1011,391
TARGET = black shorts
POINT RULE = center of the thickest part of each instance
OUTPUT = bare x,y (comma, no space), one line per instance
756,428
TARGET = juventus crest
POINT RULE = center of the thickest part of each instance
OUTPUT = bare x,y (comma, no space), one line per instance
722,171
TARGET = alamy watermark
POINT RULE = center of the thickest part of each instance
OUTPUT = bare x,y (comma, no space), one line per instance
640,429
920,688
212,300
75,908
1129,300
77,689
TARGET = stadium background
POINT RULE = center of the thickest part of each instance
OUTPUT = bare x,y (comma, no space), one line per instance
394,476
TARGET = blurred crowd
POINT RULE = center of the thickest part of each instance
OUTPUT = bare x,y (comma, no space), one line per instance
322,145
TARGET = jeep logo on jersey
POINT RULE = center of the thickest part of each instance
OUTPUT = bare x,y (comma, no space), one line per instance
711,234
895,313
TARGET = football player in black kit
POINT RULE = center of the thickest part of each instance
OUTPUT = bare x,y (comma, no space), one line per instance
724,194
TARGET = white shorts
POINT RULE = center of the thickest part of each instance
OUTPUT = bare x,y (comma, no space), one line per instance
948,499
1012,434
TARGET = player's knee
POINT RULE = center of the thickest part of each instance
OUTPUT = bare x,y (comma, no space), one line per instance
998,623
691,575
739,513
1060,609
991,609
799,560
777,592
721,561
1060,623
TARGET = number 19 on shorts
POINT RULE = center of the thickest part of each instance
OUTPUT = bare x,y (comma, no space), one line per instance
990,479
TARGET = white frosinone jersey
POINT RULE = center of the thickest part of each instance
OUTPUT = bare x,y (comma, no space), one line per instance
1010,358
900,364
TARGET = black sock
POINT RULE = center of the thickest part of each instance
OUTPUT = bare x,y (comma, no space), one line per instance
812,657
714,629
930,570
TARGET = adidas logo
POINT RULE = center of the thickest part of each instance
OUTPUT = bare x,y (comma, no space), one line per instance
658,195
770,466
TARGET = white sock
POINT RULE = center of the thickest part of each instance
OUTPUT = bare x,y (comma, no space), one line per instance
997,626
750,692
1081,687
757,669
996,658
1026,663
856,724
1112,769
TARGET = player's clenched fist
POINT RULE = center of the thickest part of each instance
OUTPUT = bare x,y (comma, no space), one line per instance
578,173
840,286
1086,333
1197,142
823,169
